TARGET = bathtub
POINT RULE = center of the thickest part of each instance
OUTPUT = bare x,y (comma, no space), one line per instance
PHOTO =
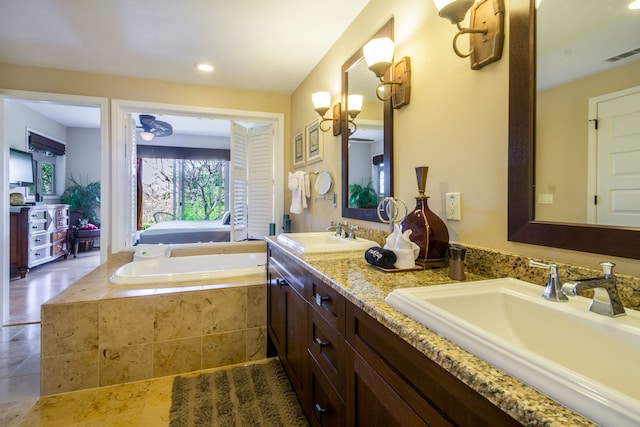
197,267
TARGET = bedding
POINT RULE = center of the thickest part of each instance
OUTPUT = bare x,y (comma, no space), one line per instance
169,232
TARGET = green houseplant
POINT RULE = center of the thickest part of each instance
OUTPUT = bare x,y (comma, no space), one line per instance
83,198
362,196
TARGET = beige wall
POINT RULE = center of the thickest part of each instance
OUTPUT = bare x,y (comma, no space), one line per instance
562,133
457,124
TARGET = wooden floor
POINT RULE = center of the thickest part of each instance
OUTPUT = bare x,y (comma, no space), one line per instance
45,281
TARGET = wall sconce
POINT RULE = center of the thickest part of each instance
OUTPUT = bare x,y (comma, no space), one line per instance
486,35
379,56
322,103
354,106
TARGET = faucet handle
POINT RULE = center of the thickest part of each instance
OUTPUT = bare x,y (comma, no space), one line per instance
553,291
607,268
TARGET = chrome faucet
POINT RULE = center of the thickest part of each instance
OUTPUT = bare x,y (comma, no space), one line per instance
352,232
606,300
552,291
338,227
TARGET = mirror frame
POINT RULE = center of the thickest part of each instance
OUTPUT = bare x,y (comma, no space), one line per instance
522,226
366,214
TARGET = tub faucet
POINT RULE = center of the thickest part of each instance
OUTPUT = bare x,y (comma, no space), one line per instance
552,291
606,300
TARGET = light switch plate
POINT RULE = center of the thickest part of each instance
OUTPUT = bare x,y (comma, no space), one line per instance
453,206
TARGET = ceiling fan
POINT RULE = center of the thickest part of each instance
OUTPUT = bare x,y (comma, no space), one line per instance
152,127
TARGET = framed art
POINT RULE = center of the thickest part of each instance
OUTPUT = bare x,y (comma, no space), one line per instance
315,144
298,149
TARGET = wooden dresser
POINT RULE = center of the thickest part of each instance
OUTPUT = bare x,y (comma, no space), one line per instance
39,234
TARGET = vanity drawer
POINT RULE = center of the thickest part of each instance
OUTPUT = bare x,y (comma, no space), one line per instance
328,303
62,222
286,267
327,349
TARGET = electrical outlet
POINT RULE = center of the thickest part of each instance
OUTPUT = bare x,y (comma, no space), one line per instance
453,206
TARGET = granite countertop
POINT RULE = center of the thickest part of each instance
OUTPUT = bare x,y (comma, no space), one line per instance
367,288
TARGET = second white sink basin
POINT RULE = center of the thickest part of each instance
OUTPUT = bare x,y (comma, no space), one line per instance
323,241
586,361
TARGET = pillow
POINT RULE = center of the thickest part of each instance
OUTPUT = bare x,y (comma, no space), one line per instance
226,218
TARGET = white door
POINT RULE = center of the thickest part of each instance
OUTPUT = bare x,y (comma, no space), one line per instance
618,160
260,181
252,181
238,176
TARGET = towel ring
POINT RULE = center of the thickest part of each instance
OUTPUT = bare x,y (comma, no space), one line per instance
389,206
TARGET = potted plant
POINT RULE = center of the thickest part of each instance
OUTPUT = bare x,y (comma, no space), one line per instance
83,198
362,196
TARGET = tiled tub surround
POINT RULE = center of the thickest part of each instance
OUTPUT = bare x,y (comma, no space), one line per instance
94,334
367,288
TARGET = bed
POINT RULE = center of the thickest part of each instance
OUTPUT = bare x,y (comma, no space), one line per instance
169,232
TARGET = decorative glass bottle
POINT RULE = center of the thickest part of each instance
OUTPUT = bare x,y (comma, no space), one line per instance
428,231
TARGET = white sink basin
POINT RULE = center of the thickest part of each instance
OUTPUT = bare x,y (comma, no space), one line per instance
323,241
586,361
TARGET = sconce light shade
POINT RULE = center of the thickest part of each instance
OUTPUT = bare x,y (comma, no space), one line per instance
453,10
486,32
321,102
147,136
354,105
379,55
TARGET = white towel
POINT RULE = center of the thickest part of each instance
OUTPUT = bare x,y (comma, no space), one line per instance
406,251
151,252
298,183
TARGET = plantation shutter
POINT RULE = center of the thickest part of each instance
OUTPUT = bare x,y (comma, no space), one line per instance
238,173
261,185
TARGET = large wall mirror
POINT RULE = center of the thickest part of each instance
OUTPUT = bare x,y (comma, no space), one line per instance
530,220
367,153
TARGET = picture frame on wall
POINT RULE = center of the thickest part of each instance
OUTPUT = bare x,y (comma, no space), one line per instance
298,149
315,143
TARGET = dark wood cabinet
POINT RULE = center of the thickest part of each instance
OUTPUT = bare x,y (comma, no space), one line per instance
354,371
287,317
38,234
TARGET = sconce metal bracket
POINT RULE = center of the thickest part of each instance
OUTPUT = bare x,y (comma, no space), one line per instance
337,119
486,46
401,87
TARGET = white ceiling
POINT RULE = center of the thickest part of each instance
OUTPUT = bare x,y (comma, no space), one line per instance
255,45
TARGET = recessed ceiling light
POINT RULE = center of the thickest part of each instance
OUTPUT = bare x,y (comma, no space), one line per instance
203,66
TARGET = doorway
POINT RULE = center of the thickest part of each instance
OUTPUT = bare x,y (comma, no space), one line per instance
16,137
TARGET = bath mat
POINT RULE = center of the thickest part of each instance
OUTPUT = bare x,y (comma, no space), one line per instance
254,395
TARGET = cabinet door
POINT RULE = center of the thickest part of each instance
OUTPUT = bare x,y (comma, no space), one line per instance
324,406
276,310
296,343
372,402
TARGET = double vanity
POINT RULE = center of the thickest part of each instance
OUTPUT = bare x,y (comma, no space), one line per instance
361,346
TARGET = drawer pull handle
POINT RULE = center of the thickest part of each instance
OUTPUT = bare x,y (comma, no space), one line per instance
321,343
38,254
320,299
34,227
38,240
281,282
319,410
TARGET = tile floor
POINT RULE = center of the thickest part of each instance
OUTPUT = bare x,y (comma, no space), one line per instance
140,404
